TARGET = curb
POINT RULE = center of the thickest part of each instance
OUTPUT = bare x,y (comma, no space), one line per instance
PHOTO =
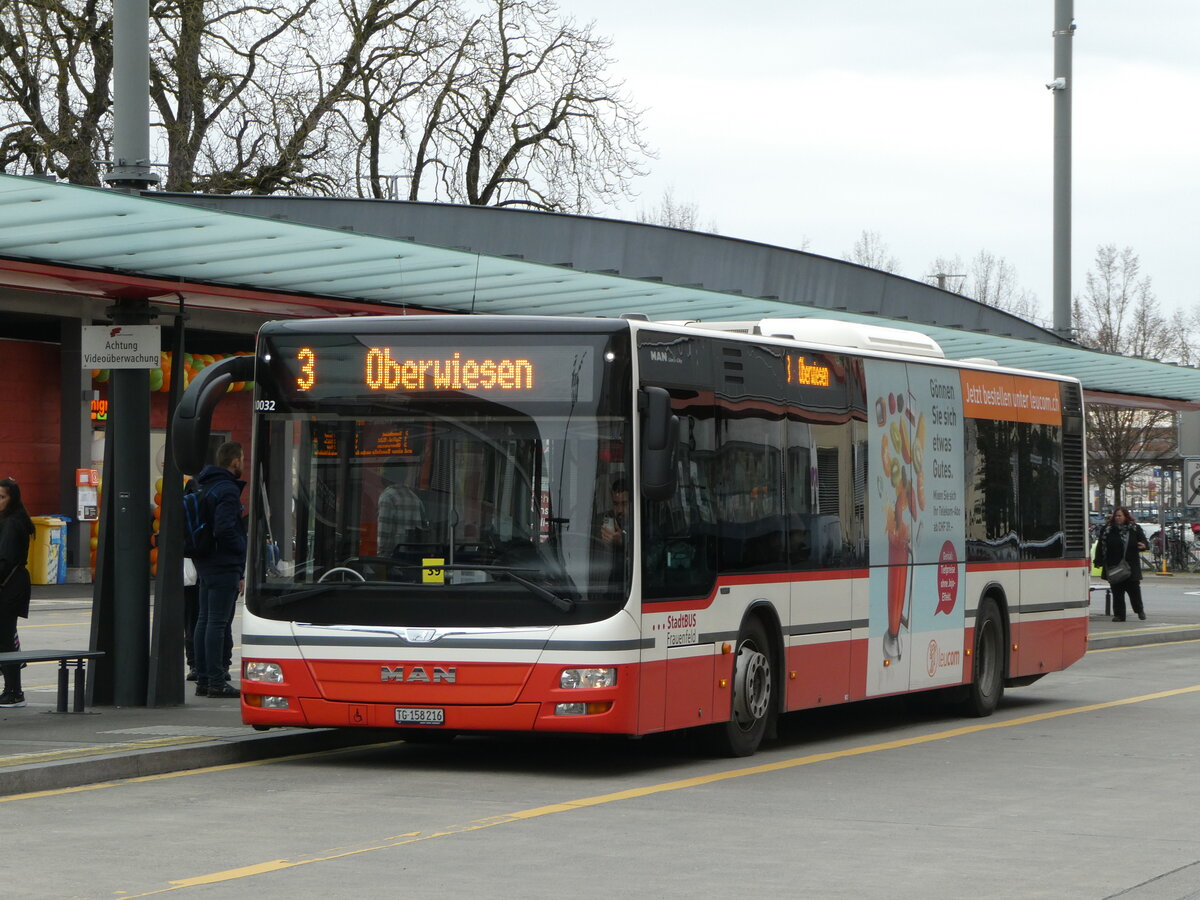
158,761
1139,638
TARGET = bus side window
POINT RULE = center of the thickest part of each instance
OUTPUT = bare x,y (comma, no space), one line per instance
679,534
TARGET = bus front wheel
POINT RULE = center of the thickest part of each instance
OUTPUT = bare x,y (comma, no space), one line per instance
753,694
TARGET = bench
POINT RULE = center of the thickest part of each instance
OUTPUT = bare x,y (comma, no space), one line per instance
1092,588
63,657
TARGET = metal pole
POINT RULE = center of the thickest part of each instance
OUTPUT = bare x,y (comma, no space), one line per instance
1064,30
129,482
131,96
166,640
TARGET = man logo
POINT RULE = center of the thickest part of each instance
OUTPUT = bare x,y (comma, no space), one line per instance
418,675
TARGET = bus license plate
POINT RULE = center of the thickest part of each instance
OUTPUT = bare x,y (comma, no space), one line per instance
419,715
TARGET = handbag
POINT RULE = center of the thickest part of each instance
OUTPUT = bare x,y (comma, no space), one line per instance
1117,573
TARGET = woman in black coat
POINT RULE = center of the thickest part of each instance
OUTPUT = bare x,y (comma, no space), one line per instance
1123,538
15,530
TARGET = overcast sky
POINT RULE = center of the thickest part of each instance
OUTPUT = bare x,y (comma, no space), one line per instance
925,121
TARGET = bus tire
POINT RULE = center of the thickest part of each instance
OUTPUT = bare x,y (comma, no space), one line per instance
987,681
753,695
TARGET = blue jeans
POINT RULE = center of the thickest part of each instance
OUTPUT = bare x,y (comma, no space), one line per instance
218,598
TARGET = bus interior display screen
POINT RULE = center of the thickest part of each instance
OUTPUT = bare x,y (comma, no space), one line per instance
369,440
372,367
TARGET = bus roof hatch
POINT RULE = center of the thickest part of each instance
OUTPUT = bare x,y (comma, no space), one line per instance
852,334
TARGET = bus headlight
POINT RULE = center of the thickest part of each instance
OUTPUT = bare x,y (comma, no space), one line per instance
588,678
263,671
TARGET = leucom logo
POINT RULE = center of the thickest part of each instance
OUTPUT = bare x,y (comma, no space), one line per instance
939,659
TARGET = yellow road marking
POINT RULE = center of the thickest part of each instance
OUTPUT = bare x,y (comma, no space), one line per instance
278,865
1144,646
23,626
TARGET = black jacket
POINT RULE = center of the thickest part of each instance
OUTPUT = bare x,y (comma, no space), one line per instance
1111,547
15,530
225,501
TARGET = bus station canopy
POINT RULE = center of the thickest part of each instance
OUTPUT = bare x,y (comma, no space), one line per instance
107,244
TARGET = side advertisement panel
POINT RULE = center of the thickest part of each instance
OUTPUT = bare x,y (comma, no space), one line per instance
915,480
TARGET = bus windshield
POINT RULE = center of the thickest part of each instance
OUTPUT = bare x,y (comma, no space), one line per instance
443,507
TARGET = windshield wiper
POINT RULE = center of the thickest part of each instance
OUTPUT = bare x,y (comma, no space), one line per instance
281,600
563,604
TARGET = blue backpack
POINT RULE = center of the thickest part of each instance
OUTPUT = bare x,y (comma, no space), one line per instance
199,540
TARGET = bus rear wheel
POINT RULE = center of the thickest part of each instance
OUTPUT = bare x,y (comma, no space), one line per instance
987,684
753,694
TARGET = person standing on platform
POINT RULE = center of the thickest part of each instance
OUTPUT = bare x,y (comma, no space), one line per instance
15,530
191,611
221,572
1122,538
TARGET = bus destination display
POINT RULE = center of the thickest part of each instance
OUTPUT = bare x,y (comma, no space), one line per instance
553,373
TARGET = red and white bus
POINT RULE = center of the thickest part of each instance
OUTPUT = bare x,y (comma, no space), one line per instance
618,526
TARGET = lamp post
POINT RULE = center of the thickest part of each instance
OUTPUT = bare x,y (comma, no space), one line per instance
1061,86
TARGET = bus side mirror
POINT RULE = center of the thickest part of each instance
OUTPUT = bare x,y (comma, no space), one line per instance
192,421
660,437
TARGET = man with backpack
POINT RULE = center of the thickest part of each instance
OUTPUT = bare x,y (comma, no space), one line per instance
196,522
220,561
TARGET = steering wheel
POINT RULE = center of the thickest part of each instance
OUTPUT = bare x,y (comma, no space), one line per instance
342,570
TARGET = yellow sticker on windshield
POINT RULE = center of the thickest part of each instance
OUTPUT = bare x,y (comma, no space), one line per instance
433,573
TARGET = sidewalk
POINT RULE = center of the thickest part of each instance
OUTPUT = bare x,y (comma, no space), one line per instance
44,750
41,749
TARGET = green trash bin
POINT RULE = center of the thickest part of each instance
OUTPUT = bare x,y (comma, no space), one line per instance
47,550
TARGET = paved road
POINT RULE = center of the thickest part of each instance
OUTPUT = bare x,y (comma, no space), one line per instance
42,750
1081,786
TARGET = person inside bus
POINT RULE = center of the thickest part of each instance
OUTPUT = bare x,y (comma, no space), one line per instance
611,531
1122,538
401,515
612,520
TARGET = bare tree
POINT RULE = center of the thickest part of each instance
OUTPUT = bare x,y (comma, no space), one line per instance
479,101
675,214
528,116
1117,312
55,66
870,250
990,279
948,274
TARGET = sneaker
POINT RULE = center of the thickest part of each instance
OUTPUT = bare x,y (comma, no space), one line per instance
202,690
223,692
228,677
12,700
1142,616
192,675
